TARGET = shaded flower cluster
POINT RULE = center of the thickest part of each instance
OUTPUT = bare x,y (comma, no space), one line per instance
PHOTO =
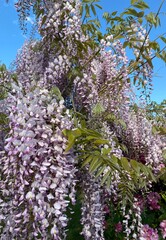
143,145
153,200
148,233
92,209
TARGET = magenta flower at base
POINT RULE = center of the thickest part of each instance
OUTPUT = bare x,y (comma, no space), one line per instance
163,228
140,202
152,200
148,233
118,227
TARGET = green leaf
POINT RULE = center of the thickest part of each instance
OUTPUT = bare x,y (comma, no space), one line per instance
93,10
106,176
71,142
98,109
125,164
163,55
3,119
154,45
135,165
162,130
55,91
87,160
86,1
106,151
133,12
95,164
149,61
147,172
114,159
87,11
123,148
97,5
89,138
164,196
44,20
91,132
100,171
164,154
71,136
114,13
110,117
151,18
76,132
141,5
125,44
133,1
163,39
122,123
101,141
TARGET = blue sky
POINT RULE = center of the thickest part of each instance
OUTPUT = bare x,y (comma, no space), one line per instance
12,38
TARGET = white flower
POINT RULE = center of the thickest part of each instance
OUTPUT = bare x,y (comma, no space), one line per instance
57,206
53,230
30,196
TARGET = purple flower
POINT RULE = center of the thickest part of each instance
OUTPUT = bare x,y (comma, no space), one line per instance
140,202
163,228
106,209
148,233
118,227
152,200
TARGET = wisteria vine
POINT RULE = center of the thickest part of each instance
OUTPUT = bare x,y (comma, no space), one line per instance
62,82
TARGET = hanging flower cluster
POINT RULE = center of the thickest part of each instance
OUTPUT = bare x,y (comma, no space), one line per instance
109,70
92,209
143,145
39,176
143,72
30,65
62,18
56,72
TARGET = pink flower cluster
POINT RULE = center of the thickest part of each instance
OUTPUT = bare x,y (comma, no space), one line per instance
153,200
148,233
38,174
163,228
118,227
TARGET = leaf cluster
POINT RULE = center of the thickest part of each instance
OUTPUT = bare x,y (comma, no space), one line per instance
94,152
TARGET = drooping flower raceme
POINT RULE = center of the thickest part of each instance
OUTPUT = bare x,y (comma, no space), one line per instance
92,209
38,175
143,145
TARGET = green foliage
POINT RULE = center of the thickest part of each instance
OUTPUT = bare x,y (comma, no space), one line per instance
113,217
157,113
56,93
3,119
74,225
94,151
